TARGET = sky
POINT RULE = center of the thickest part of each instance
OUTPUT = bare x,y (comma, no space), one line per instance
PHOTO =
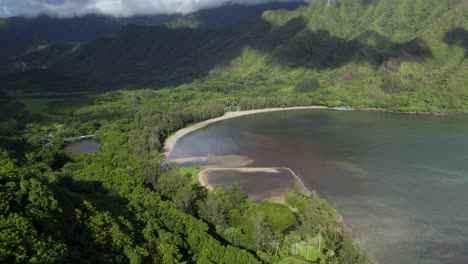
125,8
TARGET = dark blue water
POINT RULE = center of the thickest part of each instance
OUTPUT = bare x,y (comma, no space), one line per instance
400,181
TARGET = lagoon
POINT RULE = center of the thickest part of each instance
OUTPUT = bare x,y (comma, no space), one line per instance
400,181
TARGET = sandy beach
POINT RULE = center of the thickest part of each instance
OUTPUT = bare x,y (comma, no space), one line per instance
238,163
203,175
172,140
215,161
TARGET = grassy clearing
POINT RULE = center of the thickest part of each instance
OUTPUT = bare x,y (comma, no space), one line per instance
51,105
310,251
36,105
67,106
277,216
192,172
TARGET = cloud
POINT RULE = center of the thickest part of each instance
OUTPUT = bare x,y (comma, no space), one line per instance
125,8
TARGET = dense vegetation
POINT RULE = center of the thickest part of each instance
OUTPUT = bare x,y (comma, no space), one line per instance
32,43
121,205
400,55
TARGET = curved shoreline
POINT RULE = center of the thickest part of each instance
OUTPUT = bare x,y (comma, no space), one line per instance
202,176
170,142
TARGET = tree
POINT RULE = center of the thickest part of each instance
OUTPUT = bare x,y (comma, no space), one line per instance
261,234
309,221
234,235
152,168
185,198
292,240
234,197
58,143
144,141
341,248
213,209
54,158
27,210
170,253
306,85
171,184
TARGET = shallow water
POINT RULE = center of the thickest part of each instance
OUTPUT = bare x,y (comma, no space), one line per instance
258,186
400,181
84,146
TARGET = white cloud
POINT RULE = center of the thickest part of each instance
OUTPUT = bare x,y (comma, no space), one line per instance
68,8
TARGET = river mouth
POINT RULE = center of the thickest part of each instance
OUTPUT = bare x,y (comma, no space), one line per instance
400,181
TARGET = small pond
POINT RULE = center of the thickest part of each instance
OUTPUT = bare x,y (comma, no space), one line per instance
84,146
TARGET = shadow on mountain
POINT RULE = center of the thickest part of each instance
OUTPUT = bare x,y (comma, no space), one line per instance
139,57
458,36
295,45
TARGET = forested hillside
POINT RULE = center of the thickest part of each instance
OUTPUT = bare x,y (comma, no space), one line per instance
136,87
403,55
121,205
32,43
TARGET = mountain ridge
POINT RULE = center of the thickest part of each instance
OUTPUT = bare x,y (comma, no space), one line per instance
22,34
375,62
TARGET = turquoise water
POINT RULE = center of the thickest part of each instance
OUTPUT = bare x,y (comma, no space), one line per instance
400,181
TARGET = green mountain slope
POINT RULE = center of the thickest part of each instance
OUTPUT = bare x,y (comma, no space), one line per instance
412,51
20,33
124,205
404,55
34,43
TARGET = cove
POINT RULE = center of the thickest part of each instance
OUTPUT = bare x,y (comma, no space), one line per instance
400,181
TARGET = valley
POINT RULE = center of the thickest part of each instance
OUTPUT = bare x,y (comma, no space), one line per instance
166,87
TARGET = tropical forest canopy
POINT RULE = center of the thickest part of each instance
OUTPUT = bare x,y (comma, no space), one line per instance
133,84
404,55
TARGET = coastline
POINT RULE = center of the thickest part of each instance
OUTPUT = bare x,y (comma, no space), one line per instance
170,142
202,176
